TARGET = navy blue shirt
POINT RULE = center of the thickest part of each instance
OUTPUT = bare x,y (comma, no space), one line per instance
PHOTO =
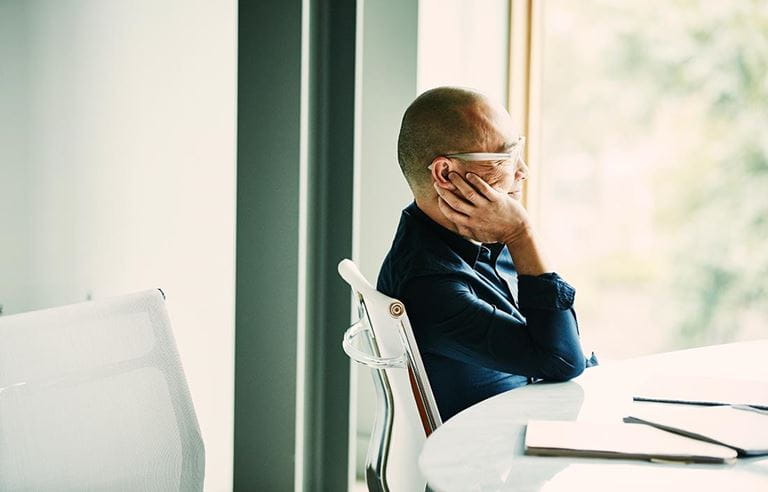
481,329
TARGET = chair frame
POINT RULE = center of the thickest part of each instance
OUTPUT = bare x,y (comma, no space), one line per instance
378,452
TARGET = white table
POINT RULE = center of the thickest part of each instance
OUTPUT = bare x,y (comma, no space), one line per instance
481,448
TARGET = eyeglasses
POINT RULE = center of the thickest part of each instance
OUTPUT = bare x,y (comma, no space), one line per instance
513,155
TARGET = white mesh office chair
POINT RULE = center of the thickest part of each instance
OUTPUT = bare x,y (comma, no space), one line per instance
407,412
93,398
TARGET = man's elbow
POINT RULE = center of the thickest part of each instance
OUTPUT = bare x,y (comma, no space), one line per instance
566,367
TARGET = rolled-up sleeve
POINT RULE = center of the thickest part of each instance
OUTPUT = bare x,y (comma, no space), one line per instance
539,341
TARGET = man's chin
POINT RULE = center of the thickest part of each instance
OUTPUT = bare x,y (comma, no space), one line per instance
517,195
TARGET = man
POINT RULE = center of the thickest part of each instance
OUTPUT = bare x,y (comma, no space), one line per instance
487,311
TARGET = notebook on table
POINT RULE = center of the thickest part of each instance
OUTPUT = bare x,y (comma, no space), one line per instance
619,440
744,429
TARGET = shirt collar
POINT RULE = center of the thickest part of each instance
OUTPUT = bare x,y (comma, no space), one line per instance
468,250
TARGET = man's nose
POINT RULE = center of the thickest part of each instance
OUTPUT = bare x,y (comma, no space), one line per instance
522,170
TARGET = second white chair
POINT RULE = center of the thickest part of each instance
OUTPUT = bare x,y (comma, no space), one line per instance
93,398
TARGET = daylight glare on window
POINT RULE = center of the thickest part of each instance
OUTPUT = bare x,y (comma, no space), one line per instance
653,192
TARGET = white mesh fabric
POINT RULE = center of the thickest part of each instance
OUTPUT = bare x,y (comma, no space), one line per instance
93,397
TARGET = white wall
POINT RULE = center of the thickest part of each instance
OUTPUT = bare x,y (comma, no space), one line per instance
129,162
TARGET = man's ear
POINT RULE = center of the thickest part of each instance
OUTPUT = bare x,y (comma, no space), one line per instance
440,168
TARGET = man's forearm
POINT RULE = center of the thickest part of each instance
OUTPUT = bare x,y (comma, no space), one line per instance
546,301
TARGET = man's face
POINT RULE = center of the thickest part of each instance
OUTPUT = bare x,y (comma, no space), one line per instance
494,134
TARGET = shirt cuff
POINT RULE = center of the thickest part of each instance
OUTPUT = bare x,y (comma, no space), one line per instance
547,291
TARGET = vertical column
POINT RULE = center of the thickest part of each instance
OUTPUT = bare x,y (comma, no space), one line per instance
269,168
331,181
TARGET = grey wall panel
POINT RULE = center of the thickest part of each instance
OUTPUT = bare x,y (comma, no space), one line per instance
292,404
388,87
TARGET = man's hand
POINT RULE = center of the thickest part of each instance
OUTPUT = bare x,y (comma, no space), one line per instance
484,214
481,212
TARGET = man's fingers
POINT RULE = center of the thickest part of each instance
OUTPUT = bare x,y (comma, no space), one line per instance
454,200
482,187
466,189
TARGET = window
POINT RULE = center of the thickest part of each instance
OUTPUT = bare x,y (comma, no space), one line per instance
652,192
464,43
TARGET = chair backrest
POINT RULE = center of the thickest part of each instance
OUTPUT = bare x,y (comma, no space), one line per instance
407,412
93,397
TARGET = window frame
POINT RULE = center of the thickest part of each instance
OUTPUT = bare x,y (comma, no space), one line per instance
524,89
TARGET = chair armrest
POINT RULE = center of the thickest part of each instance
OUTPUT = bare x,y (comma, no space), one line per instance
361,357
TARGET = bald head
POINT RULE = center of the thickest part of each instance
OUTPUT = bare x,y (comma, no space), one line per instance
441,121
